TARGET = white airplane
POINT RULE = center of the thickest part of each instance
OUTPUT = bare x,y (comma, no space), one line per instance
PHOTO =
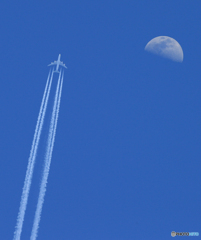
57,63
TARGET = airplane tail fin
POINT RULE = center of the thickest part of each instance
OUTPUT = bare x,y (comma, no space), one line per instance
57,71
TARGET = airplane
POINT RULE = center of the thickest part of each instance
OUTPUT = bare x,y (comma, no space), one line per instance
57,63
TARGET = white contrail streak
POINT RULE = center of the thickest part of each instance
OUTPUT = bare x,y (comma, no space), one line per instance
48,156
31,161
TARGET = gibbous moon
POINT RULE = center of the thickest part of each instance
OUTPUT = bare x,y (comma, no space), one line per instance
166,47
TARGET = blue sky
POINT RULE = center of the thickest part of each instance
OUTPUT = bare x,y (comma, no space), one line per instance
126,161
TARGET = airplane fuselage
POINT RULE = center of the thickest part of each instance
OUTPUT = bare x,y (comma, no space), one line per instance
58,63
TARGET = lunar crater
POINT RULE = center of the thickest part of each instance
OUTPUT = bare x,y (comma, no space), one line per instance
166,47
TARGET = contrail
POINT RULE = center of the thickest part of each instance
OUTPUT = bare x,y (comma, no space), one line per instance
48,156
32,157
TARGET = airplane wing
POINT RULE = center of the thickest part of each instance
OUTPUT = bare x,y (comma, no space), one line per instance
53,63
62,64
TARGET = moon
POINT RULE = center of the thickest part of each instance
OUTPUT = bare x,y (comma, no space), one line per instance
166,47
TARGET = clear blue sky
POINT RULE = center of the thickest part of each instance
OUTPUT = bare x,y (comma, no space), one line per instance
126,162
